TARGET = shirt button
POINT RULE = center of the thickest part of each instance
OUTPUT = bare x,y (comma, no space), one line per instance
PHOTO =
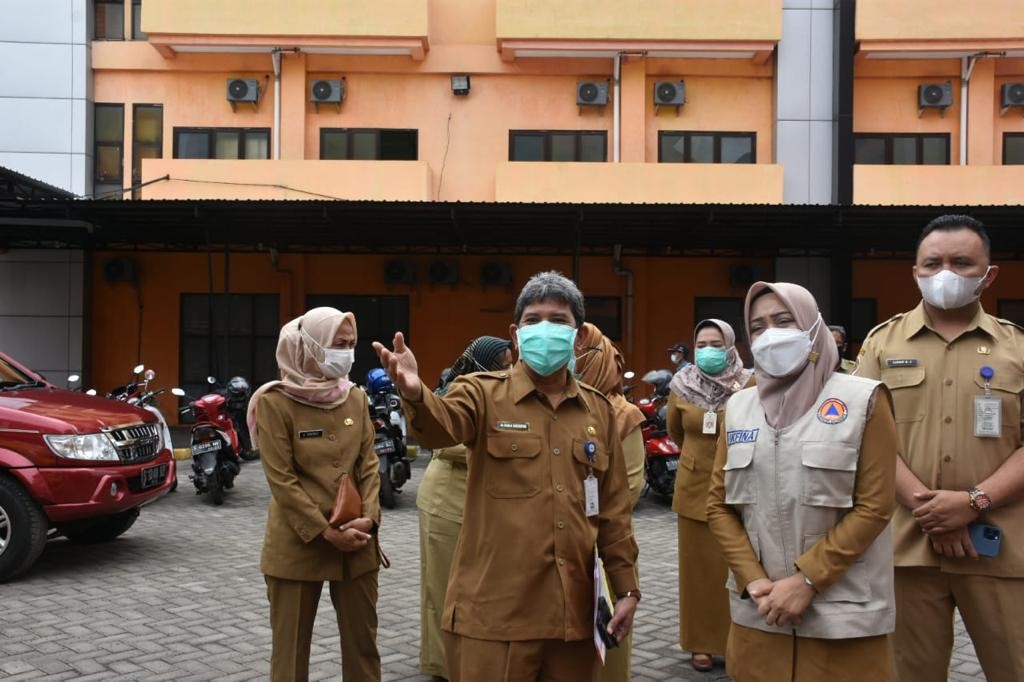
514,447
561,524
949,382
561,562
557,451
947,458
336,464
332,437
559,487
948,420
554,417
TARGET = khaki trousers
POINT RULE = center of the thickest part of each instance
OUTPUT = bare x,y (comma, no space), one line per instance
438,537
550,660
991,610
293,605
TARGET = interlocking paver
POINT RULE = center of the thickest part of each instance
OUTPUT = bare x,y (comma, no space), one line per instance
180,597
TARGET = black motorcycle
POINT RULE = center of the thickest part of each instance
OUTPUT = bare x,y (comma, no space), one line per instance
237,394
389,441
214,444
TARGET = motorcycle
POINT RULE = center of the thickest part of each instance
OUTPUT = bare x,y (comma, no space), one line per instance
237,394
661,454
137,393
214,444
389,441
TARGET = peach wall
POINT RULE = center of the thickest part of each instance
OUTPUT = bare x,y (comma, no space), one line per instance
938,185
906,20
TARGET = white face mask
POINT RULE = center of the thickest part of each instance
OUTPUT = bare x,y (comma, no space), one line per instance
782,352
949,291
337,362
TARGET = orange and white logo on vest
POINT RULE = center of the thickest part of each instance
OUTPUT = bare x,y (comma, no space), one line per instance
833,411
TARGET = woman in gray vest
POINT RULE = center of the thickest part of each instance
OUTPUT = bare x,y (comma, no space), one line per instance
801,496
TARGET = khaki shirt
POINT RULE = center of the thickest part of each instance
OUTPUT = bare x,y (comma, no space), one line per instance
685,423
442,491
523,567
933,385
304,451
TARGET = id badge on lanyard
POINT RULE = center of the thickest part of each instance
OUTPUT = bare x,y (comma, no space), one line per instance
710,423
591,505
988,411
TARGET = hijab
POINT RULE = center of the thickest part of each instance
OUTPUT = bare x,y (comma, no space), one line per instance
712,391
299,351
600,365
787,399
483,354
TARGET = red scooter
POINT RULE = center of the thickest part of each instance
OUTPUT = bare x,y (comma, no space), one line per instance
215,448
661,454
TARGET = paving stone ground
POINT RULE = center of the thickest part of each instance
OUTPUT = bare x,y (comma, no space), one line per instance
180,597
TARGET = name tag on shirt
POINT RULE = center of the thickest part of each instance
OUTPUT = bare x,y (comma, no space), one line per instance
590,505
505,425
710,423
901,362
988,417
313,433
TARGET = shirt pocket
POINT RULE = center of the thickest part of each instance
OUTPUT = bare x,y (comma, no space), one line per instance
579,453
829,472
513,465
1007,385
740,483
907,387
854,586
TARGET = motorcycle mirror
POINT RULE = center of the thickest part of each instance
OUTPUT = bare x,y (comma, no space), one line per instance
211,380
91,391
178,392
149,375
138,369
629,375
74,379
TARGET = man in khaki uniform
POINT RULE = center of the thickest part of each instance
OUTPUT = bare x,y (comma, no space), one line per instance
957,381
546,485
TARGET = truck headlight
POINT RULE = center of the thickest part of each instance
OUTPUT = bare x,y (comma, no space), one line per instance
93,446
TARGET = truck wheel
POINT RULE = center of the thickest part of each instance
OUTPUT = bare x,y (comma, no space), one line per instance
387,493
104,529
23,528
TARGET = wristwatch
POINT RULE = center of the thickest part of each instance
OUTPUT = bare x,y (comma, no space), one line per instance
980,501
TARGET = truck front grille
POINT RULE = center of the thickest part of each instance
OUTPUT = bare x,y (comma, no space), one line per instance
137,442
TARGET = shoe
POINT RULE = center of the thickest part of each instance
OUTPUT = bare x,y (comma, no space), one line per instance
702,662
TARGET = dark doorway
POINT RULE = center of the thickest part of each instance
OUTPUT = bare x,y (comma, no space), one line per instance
377,318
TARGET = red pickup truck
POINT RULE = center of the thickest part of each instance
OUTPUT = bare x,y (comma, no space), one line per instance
72,465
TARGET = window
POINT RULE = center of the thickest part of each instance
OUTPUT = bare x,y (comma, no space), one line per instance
1011,309
379,318
369,144
244,338
222,143
703,147
557,145
147,138
606,313
897,148
137,33
108,153
109,20
1013,149
864,318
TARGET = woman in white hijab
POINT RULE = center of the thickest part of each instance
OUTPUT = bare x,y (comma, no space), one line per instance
312,426
802,491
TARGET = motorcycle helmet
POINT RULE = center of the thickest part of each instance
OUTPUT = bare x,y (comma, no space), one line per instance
378,381
238,387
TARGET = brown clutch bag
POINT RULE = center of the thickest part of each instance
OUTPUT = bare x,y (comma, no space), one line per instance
347,503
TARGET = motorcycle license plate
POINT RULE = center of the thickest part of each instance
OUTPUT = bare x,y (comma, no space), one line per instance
384,448
151,477
208,446
672,464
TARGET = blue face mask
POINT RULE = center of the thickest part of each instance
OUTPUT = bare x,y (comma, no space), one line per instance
547,347
712,360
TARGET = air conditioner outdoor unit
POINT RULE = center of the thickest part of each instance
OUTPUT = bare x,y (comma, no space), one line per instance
1012,95
495,273
400,272
244,91
327,91
592,93
670,93
934,96
444,272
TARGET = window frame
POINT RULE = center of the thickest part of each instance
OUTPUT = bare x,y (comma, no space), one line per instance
211,148
137,32
97,145
376,142
547,134
95,14
889,139
136,145
716,153
1009,136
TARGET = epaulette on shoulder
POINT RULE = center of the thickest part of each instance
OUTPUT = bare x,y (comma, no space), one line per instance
1009,323
894,318
501,375
591,389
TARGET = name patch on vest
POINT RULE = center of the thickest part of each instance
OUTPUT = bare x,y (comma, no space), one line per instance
513,426
742,436
833,411
901,362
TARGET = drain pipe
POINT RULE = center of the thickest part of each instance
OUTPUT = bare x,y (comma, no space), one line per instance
966,68
275,56
617,107
628,275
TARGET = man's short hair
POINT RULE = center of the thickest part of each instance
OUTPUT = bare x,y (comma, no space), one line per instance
551,286
952,222
838,328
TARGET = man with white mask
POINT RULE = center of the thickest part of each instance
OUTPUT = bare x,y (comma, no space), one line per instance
957,379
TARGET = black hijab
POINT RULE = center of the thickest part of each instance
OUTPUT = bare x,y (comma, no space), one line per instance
483,354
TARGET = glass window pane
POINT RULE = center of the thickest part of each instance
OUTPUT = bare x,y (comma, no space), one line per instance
934,150
149,122
364,145
334,145
869,150
1013,147
109,192
137,33
109,123
563,147
702,149
266,315
109,21
193,145
398,145
593,147
225,144
257,144
143,152
737,149
672,148
527,147
904,149
108,163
